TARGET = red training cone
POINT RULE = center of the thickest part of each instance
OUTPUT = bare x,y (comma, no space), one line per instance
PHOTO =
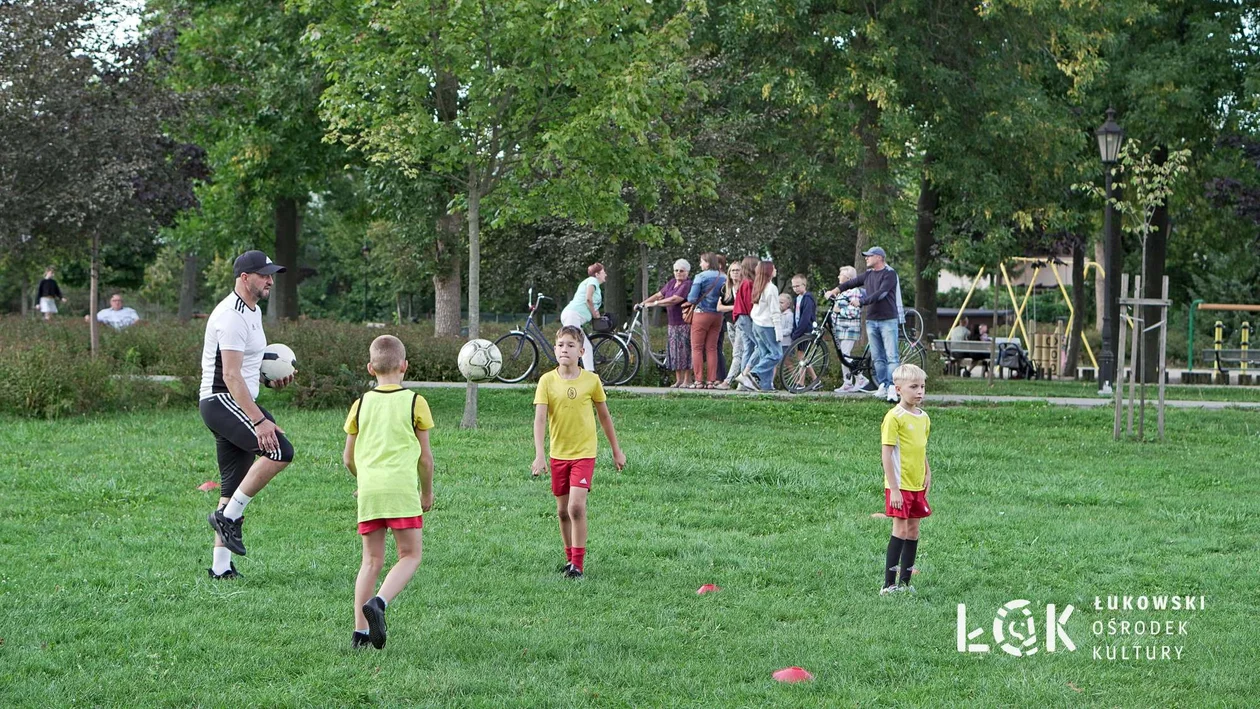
708,588
207,486
792,674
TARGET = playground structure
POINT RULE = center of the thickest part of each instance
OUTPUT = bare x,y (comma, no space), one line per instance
1045,347
1219,355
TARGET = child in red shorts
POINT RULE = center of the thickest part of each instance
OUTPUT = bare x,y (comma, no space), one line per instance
907,475
387,449
566,402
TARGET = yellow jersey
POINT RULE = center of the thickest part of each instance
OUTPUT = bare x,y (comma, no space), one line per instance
907,432
386,452
571,412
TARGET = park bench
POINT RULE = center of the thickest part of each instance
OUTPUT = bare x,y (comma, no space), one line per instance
957,351
1221,358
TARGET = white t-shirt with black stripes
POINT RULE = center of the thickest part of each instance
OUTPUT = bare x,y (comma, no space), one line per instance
237,327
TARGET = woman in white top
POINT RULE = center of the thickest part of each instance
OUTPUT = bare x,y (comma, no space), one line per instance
765,313
587,300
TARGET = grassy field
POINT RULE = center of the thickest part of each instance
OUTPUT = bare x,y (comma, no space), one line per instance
104,599
1088,390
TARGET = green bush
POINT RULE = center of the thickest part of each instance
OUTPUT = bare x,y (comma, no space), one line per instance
46,369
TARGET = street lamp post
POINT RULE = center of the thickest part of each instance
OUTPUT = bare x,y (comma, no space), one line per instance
367,252
1110,135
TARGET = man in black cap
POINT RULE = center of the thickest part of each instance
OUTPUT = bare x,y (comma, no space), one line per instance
230,370
883,317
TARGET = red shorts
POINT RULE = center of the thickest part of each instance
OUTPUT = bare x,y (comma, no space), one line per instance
372,525
914,504
571,473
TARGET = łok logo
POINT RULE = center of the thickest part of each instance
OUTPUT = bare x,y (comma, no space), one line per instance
1015,633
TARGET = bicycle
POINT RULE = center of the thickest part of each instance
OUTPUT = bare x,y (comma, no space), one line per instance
629,331
807,372
520,350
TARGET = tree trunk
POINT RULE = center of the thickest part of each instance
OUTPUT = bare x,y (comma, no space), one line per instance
872,223
284,299
1100,287
925,271
26,295
1078,307
188,287
1153,279
474,286
615,298
94,331
446,281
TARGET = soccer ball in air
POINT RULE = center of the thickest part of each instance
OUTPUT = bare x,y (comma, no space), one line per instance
480,360
278,362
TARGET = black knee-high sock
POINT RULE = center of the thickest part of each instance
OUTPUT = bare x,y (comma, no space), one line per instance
891,559
907,560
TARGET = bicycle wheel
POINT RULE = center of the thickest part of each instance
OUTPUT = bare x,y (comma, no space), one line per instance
912,328
804,364
635,361
913,353
520,357
611,358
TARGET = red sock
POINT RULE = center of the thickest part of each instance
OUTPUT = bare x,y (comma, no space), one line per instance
579,556
568,554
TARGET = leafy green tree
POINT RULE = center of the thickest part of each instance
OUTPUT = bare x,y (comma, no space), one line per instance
528,108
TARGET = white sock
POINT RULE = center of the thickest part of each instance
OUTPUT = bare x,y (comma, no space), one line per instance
222,560
236,506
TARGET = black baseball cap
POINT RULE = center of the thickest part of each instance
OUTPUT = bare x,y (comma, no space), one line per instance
256,262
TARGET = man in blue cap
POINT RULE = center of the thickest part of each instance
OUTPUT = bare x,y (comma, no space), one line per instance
231,362
884,315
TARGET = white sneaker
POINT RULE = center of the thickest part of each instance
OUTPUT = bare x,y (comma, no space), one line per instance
861,383
893,396
881,392
888,590
848,387
746,381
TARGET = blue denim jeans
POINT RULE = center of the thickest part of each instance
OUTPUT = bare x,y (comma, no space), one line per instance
769,352
745,325
882,334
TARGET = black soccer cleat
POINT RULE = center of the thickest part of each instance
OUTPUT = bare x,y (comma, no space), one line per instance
358,641
564,568
230,574
374,611
573,572
229,532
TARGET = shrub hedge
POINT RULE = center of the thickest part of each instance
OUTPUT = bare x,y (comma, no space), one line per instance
46,369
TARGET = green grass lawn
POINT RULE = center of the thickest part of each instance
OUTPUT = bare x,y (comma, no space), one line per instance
104,598
1088,390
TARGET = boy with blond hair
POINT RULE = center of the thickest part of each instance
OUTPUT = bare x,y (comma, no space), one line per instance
387,450
907,475
566,403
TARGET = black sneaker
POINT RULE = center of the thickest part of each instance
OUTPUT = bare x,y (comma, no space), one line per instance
229,532
573,572
230,574
358,641
564,568
374,611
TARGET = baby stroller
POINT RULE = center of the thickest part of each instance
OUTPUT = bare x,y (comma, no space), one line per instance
1011,355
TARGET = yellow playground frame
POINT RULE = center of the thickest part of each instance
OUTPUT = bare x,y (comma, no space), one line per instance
1020,304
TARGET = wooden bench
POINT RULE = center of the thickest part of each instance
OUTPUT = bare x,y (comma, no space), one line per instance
1220,358
956,351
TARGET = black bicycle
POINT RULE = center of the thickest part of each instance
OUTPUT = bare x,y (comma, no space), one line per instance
520,350
805,363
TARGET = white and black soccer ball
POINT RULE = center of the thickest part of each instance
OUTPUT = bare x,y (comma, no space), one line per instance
480,360
278,362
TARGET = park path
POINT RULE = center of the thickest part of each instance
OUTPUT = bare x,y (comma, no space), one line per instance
1078,402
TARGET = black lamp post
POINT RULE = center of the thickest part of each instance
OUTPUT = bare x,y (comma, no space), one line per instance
1110,135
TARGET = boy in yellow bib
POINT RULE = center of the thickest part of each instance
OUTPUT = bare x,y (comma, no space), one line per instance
567,401
387,449
907,475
